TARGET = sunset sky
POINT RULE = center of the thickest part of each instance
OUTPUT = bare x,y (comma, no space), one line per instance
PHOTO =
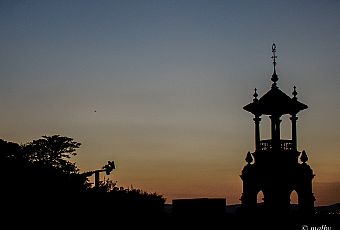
158,86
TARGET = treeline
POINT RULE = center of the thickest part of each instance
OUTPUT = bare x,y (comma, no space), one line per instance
38,178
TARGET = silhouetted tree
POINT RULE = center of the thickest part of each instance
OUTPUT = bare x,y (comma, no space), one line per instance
12,165
9,150
53,151
40,168
38,179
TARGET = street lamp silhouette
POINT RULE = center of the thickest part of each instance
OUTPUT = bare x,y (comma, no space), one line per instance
106,168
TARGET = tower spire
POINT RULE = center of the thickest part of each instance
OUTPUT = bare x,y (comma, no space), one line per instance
294,93
274,167
255,95
274,76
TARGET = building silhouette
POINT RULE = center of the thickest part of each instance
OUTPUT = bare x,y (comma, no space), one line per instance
274,167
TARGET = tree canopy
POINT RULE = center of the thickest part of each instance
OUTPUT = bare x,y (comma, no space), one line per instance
53,151
40,175
41,166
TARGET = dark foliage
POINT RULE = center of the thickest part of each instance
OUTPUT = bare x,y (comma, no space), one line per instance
39,182
53,152
40,168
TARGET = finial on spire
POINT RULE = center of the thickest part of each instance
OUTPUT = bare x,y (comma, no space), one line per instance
274,56
304,157
274,76
255,95
294,92
249,158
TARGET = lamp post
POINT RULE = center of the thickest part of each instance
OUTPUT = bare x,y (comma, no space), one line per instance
106,168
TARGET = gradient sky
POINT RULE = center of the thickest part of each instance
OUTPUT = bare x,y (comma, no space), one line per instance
159,86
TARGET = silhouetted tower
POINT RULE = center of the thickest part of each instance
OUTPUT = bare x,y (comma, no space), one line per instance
276,170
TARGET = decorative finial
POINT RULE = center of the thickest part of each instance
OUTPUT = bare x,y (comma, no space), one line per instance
274,76
274,56
294,93
249,158
255,95
304,157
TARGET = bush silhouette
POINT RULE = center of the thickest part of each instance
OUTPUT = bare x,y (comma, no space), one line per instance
38,179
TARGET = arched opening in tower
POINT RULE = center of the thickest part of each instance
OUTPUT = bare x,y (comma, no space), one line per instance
286,128
265,128
260,198
294,197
